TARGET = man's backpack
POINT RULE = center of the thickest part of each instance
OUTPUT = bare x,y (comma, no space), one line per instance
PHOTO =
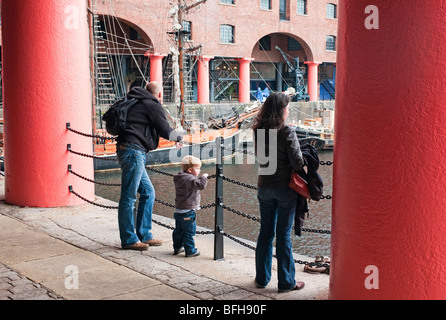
116,116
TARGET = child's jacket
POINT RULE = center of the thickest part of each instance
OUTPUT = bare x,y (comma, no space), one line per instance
187,190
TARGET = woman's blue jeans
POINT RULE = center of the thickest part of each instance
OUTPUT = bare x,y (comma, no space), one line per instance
277,211
135,180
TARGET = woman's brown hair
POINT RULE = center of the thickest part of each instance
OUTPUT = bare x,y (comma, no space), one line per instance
271,113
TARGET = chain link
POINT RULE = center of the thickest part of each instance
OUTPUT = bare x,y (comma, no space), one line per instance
251,217
160,172
316,231
249,186
244,244
70,188
97,136
89,155
240,213
233,150
173,228
254,218
156,199
92,181
244,215
198,232
239,183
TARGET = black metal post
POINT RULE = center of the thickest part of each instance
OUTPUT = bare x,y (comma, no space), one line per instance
218,226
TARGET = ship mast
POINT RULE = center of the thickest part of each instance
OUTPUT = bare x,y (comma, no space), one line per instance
181,32
181,60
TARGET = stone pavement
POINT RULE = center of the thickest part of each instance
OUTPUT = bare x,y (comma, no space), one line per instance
73,253
13,286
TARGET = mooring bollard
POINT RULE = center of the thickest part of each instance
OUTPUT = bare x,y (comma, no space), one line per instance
218,226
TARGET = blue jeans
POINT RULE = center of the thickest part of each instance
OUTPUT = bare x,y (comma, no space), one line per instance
135,180
184,232
277,211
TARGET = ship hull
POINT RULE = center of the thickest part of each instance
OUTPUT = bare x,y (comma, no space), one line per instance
168,154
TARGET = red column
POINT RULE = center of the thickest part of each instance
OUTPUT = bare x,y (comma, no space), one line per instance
389,203
203,79
46,83
156,66
312,79
245,80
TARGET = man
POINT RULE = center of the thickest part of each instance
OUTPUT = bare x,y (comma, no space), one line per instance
146,122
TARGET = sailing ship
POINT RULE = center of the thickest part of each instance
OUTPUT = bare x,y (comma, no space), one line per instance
199,137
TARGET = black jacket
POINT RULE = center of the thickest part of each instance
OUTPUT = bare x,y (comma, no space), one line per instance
289,158
146,122
315,185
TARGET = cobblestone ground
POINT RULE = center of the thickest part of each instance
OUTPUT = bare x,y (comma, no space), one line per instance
14,286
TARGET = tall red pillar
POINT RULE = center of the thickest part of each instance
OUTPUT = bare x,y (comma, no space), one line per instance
156,66
46,83
245,80
389,187
312,79
203,79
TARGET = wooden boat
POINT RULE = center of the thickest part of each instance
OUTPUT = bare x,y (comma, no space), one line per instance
317,131
197,142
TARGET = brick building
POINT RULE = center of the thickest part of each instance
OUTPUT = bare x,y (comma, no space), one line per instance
237,44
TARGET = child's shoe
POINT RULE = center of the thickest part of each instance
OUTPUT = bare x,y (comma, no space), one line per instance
195,254
178,251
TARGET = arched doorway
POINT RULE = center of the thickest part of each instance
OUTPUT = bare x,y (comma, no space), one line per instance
279,63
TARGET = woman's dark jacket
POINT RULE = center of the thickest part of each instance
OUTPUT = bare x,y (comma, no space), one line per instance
289,157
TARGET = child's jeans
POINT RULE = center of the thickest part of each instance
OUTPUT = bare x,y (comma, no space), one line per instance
185,228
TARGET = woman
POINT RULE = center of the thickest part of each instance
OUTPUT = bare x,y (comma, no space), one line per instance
277,201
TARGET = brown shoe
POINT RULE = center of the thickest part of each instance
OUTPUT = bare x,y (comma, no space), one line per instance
154,242
136,246
299,286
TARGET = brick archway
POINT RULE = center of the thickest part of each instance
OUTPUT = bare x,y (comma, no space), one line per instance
299,47
272,54
121,34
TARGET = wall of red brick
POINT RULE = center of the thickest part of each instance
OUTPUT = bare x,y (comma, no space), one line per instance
251,23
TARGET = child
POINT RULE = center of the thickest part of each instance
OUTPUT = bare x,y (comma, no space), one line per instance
187,202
